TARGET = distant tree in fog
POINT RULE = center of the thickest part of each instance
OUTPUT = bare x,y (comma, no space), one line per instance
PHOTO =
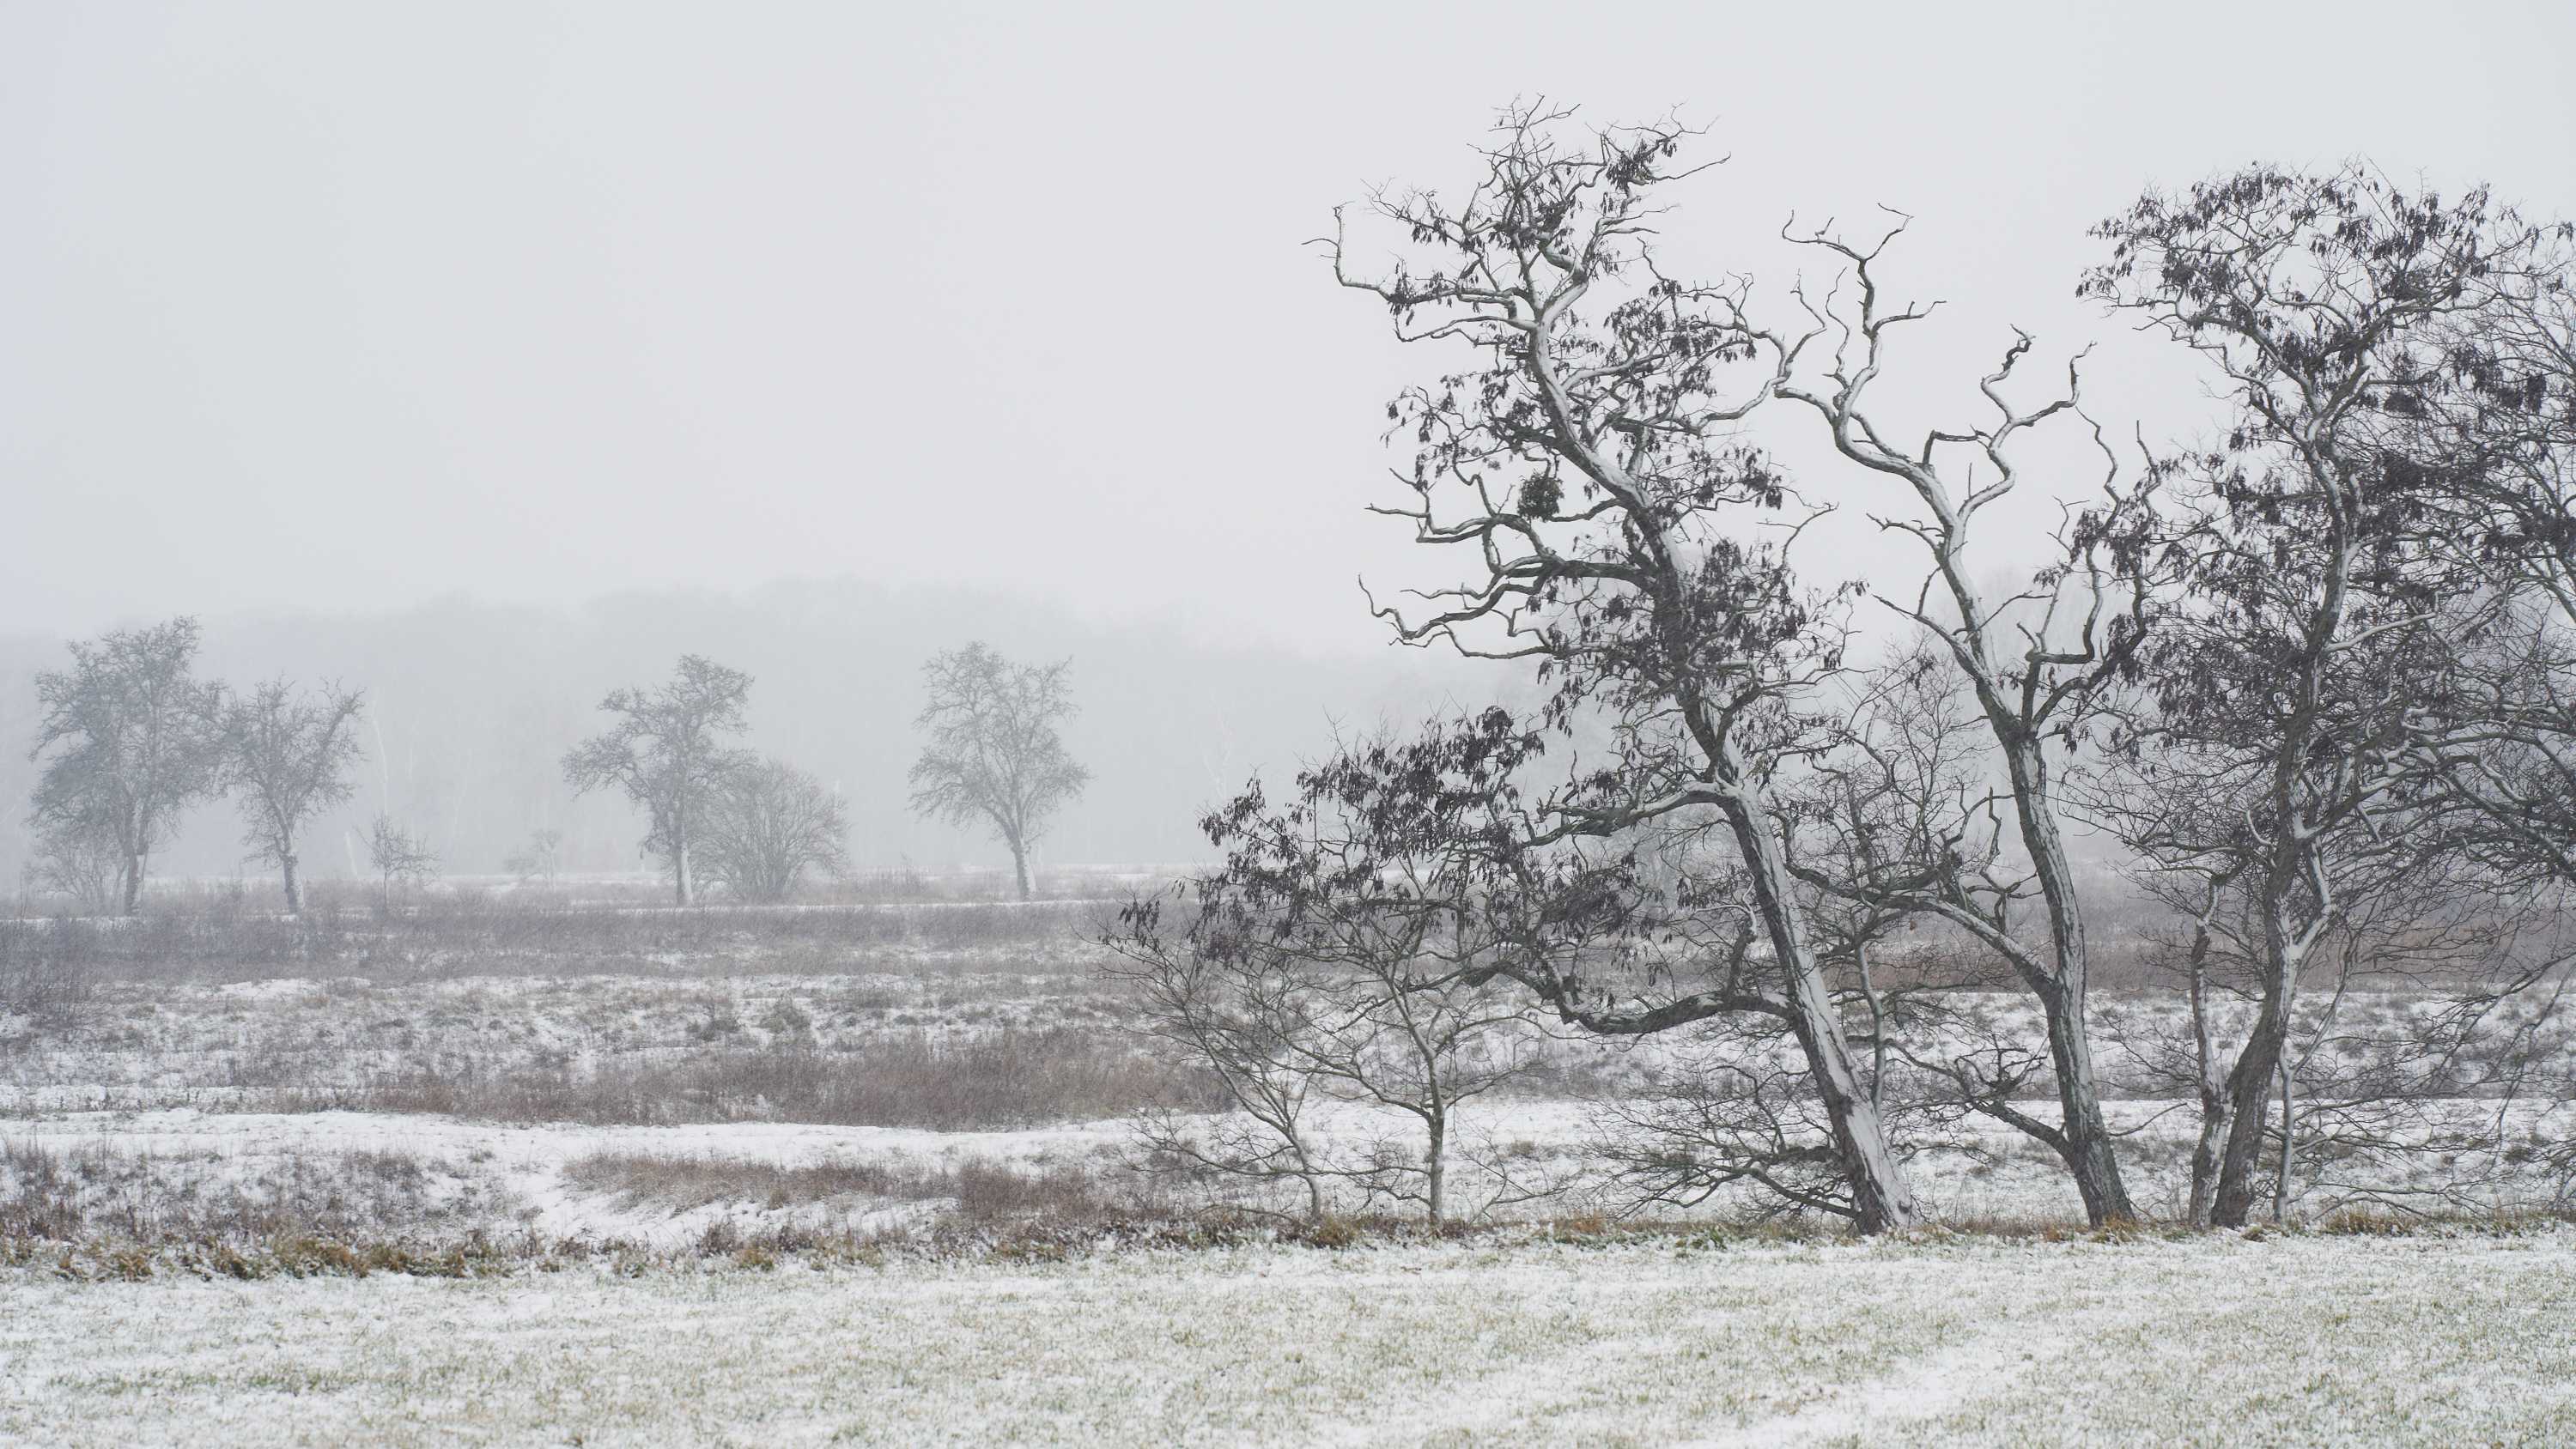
768,824
540,859
994,755
128,742
287,757
398,856
665,753
77,859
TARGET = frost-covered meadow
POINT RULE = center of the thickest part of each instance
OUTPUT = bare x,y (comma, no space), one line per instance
2276,1339
481,1177
585,1069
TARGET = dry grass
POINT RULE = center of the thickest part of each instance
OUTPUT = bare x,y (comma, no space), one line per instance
99,1192
1011,1078
979,1190
491,933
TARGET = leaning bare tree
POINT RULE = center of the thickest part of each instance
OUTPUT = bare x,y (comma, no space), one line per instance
666,752
993,756
767,826
1586,462
285,756
127,743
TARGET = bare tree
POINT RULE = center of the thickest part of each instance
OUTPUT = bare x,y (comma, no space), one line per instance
1330,956
1589,467
993,754
2308,654
766,826
2502,437
79,859
286,757
1240,1026
665,752
127,741
540,859
398,856
2029,659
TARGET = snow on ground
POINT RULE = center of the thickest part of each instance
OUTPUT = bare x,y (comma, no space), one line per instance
528,1163
522,1171
2220,1340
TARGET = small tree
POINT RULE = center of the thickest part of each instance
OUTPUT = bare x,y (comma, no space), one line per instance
994,754
767,826
1328,956
129,732
398,855
74,858
540,859
287,756
665,752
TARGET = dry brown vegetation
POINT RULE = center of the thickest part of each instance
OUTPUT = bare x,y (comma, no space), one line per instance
1012,1078
102,1192
234,936
977,1189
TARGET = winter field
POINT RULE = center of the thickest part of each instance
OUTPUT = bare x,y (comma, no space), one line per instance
2282,1340
586,1169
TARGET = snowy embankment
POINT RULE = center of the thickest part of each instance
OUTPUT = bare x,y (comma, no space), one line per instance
2218,1340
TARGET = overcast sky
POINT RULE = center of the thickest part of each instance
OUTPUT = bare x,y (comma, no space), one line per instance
346,306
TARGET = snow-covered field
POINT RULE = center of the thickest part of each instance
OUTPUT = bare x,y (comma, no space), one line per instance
274,1085
2221,1340
644,1133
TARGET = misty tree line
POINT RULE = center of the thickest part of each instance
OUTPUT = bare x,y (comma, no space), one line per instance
2315,676
130,739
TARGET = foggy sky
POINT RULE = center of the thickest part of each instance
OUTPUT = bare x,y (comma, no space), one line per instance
348,307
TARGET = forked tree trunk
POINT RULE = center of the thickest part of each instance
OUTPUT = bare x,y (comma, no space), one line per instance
1020,867
2249,1087
134,884
294,897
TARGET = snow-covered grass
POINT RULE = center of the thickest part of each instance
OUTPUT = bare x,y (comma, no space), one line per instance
619,1147
190,1171
2215,1340
501,1081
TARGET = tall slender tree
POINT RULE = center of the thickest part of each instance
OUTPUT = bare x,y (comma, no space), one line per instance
2029,658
